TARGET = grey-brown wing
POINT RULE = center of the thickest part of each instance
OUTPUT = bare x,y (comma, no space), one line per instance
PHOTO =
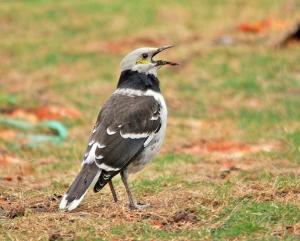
124,127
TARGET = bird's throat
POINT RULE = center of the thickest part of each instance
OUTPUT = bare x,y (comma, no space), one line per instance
139,81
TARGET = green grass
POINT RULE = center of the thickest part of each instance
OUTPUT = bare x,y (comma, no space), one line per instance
249,218
155,185
287,182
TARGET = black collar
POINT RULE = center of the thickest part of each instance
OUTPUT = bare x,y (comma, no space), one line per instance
139,81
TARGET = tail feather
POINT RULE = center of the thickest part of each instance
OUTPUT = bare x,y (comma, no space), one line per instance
88,174
104,178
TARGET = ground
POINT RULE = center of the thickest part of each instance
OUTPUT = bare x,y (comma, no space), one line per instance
229,167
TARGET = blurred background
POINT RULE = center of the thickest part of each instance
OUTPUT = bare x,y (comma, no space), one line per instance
229,168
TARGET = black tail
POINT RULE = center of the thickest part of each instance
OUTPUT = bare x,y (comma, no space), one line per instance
103,179
79,187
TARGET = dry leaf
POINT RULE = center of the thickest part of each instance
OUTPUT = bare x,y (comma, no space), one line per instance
255,27
54,113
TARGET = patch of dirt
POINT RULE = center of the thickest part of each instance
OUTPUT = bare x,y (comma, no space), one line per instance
41,207
265,192
11,207
42,113
287,230
47,205
57,236
180,128
17,211
164,212
13,167
186,215
226,149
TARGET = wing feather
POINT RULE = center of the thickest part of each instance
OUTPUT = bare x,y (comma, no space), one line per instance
123,126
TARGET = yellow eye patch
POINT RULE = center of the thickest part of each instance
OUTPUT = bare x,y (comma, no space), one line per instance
142,61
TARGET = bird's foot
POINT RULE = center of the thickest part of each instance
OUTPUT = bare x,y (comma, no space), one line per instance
138,206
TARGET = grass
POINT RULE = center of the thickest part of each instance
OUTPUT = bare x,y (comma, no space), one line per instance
67,53
247,218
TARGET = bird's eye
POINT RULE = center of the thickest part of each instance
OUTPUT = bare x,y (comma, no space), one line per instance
145,56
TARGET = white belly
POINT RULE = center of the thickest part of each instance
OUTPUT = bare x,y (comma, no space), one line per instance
154,145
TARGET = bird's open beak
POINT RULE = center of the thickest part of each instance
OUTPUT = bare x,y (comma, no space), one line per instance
162,62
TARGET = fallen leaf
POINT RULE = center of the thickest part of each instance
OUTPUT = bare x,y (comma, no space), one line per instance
265,25
255,27
54,113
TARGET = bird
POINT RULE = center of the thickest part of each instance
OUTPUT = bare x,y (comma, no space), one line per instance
128,132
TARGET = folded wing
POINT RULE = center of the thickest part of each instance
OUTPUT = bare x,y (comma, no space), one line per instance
123,129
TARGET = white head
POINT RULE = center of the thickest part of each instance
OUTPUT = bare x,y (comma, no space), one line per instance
141,60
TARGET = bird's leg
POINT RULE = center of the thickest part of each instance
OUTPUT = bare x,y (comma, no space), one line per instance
113,191
132,202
